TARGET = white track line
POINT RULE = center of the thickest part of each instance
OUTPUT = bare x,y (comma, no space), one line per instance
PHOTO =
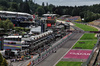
67,51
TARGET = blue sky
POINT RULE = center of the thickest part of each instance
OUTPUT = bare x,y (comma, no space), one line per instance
69,2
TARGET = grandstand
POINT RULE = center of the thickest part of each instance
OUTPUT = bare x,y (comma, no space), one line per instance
13,14
17,18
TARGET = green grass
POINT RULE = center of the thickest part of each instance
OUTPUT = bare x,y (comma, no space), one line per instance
85,45
66,63
88,36
85,27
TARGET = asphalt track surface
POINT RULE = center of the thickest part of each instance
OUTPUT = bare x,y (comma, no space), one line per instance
54,57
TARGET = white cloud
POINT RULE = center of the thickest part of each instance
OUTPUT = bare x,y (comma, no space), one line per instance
69,2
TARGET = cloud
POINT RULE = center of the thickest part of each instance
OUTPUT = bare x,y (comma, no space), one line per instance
69,2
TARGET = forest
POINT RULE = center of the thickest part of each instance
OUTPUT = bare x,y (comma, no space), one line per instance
89,13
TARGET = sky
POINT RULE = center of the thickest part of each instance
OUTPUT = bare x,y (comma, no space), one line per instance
68,2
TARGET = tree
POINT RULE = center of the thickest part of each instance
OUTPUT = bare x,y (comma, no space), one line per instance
47,4
51,7
30,0
4,62
1,59
26,0
20,7
3,8
43,4
40,11
81,14
13,7
46,8
1,24
10,24
87,16
6,25
4,3
25,7
18,1
9,0
75,12
90,16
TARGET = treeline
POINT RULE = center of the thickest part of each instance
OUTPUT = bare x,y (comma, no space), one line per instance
28,6
90,16
17,5
89,13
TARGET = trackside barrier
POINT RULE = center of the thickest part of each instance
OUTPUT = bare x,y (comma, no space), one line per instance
94,49
96,58
50,51
91,55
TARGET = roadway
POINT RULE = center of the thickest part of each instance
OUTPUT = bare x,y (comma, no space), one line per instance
54,57
25,62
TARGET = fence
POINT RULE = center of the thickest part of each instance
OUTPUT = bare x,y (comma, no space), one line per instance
94,49
50,50
90,57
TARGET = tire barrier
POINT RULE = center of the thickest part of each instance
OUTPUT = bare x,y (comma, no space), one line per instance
50,51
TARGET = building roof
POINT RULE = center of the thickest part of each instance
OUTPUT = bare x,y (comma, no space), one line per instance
12,36
10,12
36,29
49,14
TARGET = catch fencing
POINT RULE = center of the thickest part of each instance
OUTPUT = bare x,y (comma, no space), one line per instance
92,53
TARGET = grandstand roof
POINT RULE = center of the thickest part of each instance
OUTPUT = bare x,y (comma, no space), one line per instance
10,12
12,36
49,14
36,29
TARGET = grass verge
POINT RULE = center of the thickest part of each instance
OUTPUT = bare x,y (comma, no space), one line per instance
66,63
85,27
84,44
88,36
